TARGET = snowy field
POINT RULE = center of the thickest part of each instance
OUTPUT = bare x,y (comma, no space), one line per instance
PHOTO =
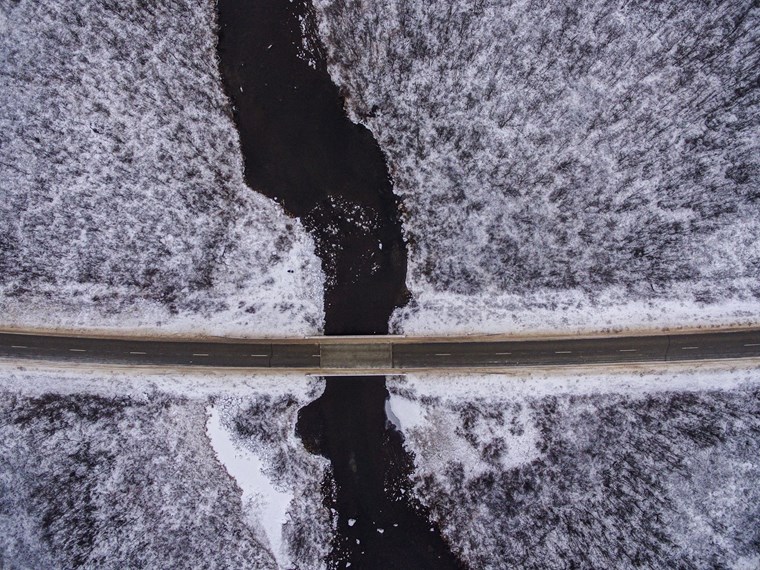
652,469
577,165
109,470
123,202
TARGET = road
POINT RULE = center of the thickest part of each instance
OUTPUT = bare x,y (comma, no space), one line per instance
382,355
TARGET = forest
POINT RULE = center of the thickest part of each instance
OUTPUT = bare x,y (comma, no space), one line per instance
121,470
124,203
601,153
655,469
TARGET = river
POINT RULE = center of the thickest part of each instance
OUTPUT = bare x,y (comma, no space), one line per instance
300,149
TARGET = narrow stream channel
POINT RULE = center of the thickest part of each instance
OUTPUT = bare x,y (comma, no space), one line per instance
300,149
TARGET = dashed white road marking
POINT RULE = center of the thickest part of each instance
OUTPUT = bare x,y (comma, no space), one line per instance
18,346
627,350
689,347
443,354
200,354
137,352
563,352
77,350
753,344
260,355
503,353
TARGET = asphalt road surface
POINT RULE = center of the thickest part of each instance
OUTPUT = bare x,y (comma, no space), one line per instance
382,354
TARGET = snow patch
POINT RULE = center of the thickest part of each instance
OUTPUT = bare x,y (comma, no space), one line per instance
264,503
404,414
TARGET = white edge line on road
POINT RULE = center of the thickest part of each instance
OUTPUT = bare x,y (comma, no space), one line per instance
751,362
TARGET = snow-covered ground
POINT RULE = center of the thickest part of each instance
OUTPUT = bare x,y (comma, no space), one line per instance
146,470
574,165
648,468
122,200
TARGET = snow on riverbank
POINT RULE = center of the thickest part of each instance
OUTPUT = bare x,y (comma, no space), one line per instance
249,472
604,469
116,470
563,165
550,311
124,204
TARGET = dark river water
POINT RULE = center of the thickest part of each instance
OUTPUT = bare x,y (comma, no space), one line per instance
300,149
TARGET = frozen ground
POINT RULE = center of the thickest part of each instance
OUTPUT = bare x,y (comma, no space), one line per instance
110,470
123,201
652,469
577,165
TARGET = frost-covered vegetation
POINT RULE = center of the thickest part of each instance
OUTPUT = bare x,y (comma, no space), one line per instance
123,201
105,470
647,470
564,164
